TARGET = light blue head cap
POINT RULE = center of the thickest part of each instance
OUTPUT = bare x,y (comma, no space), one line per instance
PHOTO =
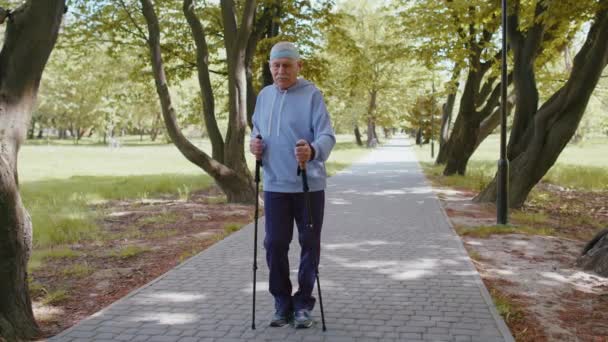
284,50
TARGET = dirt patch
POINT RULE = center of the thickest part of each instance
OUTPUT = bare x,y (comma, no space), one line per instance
552,300
139,241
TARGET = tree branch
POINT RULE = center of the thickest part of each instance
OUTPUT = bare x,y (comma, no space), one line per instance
142,35
189,150
202,62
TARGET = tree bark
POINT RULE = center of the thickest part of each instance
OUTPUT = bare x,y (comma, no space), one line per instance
232,177
204,81
235,41
266,26
371,125
358,136
464,135
462,141
446,118
21,67
548,130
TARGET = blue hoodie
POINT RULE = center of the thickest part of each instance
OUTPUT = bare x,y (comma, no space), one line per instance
282,117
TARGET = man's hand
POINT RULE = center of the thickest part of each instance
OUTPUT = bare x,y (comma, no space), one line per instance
303,152
256,146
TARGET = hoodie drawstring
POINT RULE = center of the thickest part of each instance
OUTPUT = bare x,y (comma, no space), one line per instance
272,112
280,113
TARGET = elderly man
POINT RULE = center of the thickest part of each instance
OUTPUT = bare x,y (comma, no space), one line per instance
288,113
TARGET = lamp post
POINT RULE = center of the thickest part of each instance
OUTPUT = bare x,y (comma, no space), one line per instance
502,195
432,115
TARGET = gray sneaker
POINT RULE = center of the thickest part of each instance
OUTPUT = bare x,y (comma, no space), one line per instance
280,319
302,319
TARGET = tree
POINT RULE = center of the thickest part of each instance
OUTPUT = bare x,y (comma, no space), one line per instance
420,115
540,134
364,51
207,41
21,66
227,165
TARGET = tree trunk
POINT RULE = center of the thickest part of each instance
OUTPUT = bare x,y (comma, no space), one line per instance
551,127
30,132
21,67
266,26
459,147
371,126
358,136
595,254
471,128
232,176
446,118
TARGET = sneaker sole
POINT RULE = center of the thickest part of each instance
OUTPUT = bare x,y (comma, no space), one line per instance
303,325
278,325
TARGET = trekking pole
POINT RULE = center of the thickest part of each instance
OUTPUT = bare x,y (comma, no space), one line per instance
258,164
302,172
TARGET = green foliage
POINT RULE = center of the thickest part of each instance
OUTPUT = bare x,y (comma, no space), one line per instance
425,114
368,63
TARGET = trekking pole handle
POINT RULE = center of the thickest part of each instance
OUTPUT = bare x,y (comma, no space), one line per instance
303,164
258,163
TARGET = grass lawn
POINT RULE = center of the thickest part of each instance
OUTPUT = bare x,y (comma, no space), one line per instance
61,181
581,166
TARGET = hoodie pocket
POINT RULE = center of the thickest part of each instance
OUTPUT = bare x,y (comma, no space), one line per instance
283,165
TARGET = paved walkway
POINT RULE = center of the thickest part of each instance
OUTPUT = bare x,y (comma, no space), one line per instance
392,269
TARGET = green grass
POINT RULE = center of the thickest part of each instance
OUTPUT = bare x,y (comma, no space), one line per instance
61,182
162,218
162,233
474,255
583,166
533,219
486,231
579,177
505,307
129,252
40,255
61,208
77,270
479,174
55,297
230,228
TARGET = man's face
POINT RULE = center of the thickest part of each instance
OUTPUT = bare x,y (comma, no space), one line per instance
285,71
